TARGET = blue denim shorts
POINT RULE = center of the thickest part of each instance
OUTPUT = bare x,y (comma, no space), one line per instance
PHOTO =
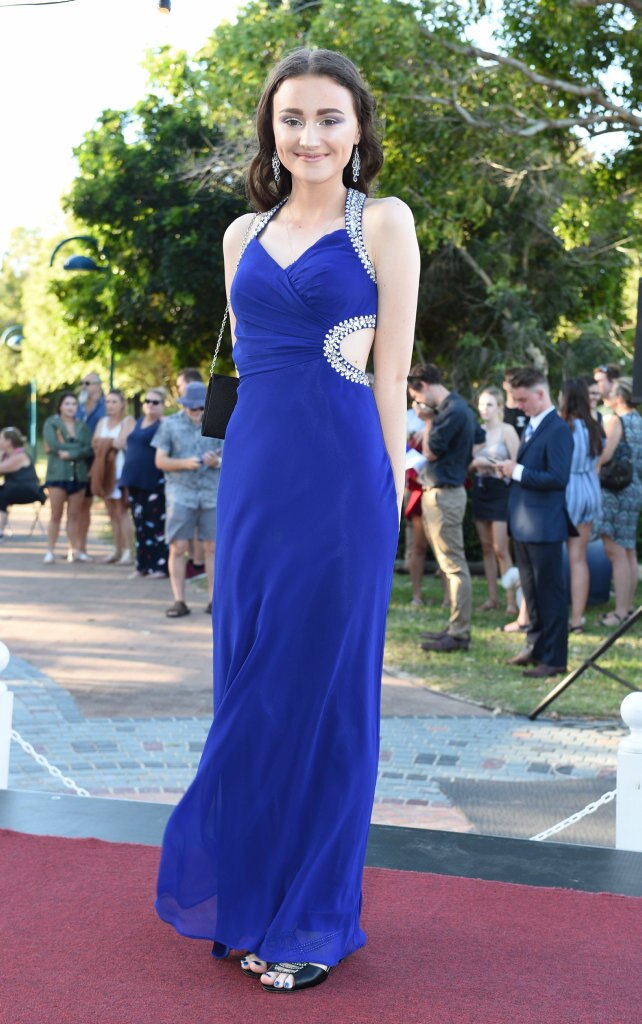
70,486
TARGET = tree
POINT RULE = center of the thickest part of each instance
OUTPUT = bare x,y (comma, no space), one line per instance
526,237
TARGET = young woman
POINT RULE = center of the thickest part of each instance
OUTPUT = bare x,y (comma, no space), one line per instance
146,489
265,852
621,509
20,485
68,446
583,499
490,495
109,440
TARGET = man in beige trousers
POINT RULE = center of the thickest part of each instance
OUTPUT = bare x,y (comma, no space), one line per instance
448,441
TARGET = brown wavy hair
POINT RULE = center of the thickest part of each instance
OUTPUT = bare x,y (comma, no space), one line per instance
575,405
262,189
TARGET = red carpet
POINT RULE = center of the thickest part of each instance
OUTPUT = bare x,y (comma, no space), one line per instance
80,944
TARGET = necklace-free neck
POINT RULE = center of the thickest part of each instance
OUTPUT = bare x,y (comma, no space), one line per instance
311,210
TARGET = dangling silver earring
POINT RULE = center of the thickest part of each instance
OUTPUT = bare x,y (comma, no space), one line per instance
276,166
356,164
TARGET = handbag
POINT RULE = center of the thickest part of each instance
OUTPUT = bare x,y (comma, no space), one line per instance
221,389
617,473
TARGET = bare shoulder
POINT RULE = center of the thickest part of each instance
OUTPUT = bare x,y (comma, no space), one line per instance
388,215
234,235
389,233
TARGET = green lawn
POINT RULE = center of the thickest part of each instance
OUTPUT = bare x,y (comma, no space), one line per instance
480,674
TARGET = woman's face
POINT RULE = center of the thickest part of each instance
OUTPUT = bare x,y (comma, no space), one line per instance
114,405
5,445
594,396
69,407
315,127
488,406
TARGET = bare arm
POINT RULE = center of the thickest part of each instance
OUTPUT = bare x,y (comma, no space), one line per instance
167,463
613,431
13,462
95,441
126,428
391,239
511,439
232,245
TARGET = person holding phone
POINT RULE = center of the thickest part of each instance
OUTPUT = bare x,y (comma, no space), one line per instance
191,464
490,494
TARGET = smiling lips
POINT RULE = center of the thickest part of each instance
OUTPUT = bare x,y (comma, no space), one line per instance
310,157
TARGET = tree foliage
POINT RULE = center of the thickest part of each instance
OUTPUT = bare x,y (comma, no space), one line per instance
528,234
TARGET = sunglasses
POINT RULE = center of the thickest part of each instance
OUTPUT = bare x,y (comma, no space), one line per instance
152,401
88,383
196,408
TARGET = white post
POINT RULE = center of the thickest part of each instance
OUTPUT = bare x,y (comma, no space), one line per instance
628,805
6,717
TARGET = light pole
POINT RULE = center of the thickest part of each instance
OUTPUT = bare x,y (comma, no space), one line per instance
13,338
87,264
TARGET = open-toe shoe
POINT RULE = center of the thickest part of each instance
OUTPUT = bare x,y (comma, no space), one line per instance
304,975
247,970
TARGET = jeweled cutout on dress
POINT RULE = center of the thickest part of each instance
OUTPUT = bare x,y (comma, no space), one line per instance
332,347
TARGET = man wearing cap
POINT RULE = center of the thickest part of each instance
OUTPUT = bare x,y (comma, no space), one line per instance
191,464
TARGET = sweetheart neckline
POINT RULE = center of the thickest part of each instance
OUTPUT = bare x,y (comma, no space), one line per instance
328,234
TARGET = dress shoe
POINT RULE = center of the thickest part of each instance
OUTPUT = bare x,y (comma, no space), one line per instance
446,643
541,671
434,636
525,657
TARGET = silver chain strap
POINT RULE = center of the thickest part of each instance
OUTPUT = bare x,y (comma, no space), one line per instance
589,809
42,760
227,308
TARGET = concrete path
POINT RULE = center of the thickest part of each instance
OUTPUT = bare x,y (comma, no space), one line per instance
119,698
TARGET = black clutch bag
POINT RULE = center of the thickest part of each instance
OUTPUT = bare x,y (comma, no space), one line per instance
219,404
221,389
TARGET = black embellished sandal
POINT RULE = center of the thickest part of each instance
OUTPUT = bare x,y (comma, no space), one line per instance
247,971
305,976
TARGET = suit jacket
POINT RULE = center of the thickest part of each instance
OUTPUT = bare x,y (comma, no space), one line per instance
536,505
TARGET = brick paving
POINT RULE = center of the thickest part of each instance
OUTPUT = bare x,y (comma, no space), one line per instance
155,758
87,705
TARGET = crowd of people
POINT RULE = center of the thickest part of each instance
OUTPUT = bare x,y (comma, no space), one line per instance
541,476
156,474
158,478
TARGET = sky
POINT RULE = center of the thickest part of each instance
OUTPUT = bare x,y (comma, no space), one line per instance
60,66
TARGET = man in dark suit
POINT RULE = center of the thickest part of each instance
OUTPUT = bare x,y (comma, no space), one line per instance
539,523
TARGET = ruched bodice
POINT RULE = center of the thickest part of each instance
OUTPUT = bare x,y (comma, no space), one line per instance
266,849
292,314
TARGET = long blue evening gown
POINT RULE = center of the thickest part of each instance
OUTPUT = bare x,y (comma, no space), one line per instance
265,851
